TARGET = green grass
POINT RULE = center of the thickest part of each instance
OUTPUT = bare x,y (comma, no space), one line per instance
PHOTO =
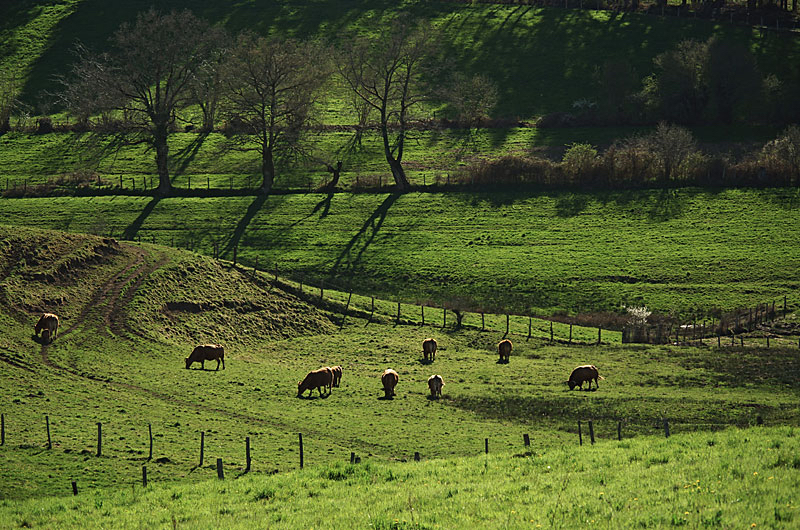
730,479
682,251
128,317
513,45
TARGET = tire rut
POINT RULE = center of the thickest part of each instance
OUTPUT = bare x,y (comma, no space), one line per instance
116,306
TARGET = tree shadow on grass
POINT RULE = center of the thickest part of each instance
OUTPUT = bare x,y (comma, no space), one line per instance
242,225
132,229
361,241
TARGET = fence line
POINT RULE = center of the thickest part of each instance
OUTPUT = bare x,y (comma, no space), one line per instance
653,425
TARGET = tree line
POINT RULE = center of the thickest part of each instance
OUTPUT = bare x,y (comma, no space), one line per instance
266,90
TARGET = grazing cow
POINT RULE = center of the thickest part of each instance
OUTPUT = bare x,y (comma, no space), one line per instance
48,325
389,379
319,379
206,352
337,375
429,349
582,374
435,383
504,348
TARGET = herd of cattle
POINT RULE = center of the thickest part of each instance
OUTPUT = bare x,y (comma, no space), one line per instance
327,377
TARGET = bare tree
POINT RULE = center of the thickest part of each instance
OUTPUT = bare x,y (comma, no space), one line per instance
385,71
672,146
9,88
271,86
144,78
206,84
471,98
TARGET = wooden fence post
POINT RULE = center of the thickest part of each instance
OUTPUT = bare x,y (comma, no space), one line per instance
276,272
247,454
47,423
2,429
99,438
202,446
526,440
570,333
486,445
235,251
321,290
444,317
767,341
551,331
74,487
483,322
300,436
398,312
530,323
580,436
507,323
591,431
352,458
599,335
144,476
255,267
619,431
423,314
150,433
416,456
666,428
220,474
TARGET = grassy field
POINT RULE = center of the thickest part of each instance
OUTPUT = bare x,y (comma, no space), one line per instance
513,45
131,313
730,479
682,251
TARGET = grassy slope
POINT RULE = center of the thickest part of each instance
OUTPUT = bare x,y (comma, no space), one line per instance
511,44
731,479
119,361
678,250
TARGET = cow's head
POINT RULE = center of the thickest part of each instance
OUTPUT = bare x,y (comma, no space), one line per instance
188,362
300,388
571,384
46,335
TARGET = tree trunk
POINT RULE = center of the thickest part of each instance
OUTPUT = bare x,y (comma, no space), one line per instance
162,158
336,172
398,172
267,171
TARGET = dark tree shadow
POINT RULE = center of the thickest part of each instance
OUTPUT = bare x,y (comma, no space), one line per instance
425,362
324,205
238,232
364,237
185,156
132,229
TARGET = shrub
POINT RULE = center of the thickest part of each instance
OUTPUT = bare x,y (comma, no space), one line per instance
781,157
510,171
580,162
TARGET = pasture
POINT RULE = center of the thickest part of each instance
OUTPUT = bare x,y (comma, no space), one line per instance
511,44
131,313
684,251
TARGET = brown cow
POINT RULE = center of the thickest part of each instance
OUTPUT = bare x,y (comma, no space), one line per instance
48,325
429,349
319,379
206,352
504,348
435,384
582,374
389,379
337,375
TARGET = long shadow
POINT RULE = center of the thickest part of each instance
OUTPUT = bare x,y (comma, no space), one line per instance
324,205
132,229
238,232
185,156
367,233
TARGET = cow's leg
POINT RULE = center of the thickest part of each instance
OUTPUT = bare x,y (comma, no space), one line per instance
203,364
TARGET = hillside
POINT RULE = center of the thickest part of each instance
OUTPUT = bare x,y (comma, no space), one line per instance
688,252
731,479
511,44
130,314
